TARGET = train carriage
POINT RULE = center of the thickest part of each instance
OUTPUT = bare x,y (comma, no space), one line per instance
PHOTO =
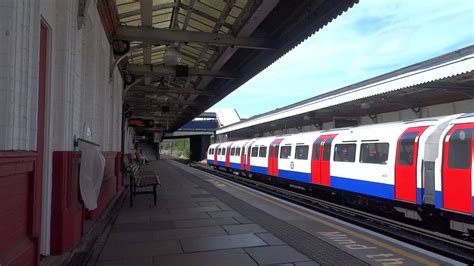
424,163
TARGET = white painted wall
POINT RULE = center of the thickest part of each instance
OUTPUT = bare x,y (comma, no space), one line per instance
79,89
19,42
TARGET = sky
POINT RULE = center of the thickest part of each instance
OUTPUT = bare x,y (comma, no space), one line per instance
372,38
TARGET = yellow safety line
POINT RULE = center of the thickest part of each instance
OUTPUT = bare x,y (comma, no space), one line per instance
340,228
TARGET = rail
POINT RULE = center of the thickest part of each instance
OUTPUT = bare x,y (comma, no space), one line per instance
439,243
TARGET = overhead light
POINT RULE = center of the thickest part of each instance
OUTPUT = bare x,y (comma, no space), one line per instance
172,56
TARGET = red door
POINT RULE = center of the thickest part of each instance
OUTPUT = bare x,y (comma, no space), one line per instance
227,156
457,168
248,156
273,157
215,154
242,157
320,173
406,163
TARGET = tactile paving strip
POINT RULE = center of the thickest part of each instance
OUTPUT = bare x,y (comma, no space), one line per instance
313,247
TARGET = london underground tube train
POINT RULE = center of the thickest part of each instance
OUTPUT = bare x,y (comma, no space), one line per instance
418,169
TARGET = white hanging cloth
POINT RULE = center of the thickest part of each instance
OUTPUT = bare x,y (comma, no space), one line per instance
91,175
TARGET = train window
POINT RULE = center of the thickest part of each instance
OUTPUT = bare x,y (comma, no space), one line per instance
344,152
374,153
223,151
262,152
459,154
254,152
301,152
219,151
237,151
316,150
232,151
405,150
327,149
285,152
211,151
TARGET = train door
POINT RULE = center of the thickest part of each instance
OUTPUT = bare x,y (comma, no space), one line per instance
216,149
242,157
273,157
227,156
247,153
320,160
457,168
406,165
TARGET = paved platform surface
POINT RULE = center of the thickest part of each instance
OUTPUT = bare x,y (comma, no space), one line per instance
200,220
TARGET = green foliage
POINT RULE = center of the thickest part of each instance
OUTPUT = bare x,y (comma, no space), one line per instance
175,147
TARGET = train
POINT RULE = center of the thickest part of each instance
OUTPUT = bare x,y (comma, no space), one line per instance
421,169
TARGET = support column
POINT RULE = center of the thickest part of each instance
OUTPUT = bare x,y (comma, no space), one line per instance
198,147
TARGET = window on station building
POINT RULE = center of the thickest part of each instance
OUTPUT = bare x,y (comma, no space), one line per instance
405,150
344,152
254,152
301,152
237,151
232,151
285,152
327,149
374,153
459,153
262,152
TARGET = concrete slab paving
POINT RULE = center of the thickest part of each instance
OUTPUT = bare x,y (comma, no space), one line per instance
221,242
222,257
204,222
276,254
141,261
215,214
118,251
270,239
183,233
135,227
243,228
179,216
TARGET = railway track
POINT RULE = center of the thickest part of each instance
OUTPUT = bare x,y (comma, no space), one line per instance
442,244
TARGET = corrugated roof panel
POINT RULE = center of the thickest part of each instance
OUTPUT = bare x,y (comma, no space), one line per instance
208,9
161,2
130,18
163,11
127,6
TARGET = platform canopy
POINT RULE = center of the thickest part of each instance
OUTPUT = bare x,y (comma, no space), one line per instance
179,57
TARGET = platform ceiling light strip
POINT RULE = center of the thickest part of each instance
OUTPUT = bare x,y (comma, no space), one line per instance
413,78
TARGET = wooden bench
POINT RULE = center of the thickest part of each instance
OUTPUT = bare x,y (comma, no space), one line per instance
140,178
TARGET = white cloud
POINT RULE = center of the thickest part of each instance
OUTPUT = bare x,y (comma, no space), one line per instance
372,38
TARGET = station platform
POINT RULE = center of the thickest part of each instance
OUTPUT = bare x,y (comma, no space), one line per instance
201,219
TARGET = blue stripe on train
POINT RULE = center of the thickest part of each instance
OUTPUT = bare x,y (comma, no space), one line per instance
439,199
220,163
365,187
297,176
210,162
235,166
259,169
419,195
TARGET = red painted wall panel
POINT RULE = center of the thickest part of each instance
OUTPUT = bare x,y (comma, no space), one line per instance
18,216
109,184
67,214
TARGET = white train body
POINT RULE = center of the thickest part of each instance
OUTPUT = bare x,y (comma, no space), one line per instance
425,161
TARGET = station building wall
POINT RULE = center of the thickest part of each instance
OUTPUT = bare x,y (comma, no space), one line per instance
466,106
38,192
